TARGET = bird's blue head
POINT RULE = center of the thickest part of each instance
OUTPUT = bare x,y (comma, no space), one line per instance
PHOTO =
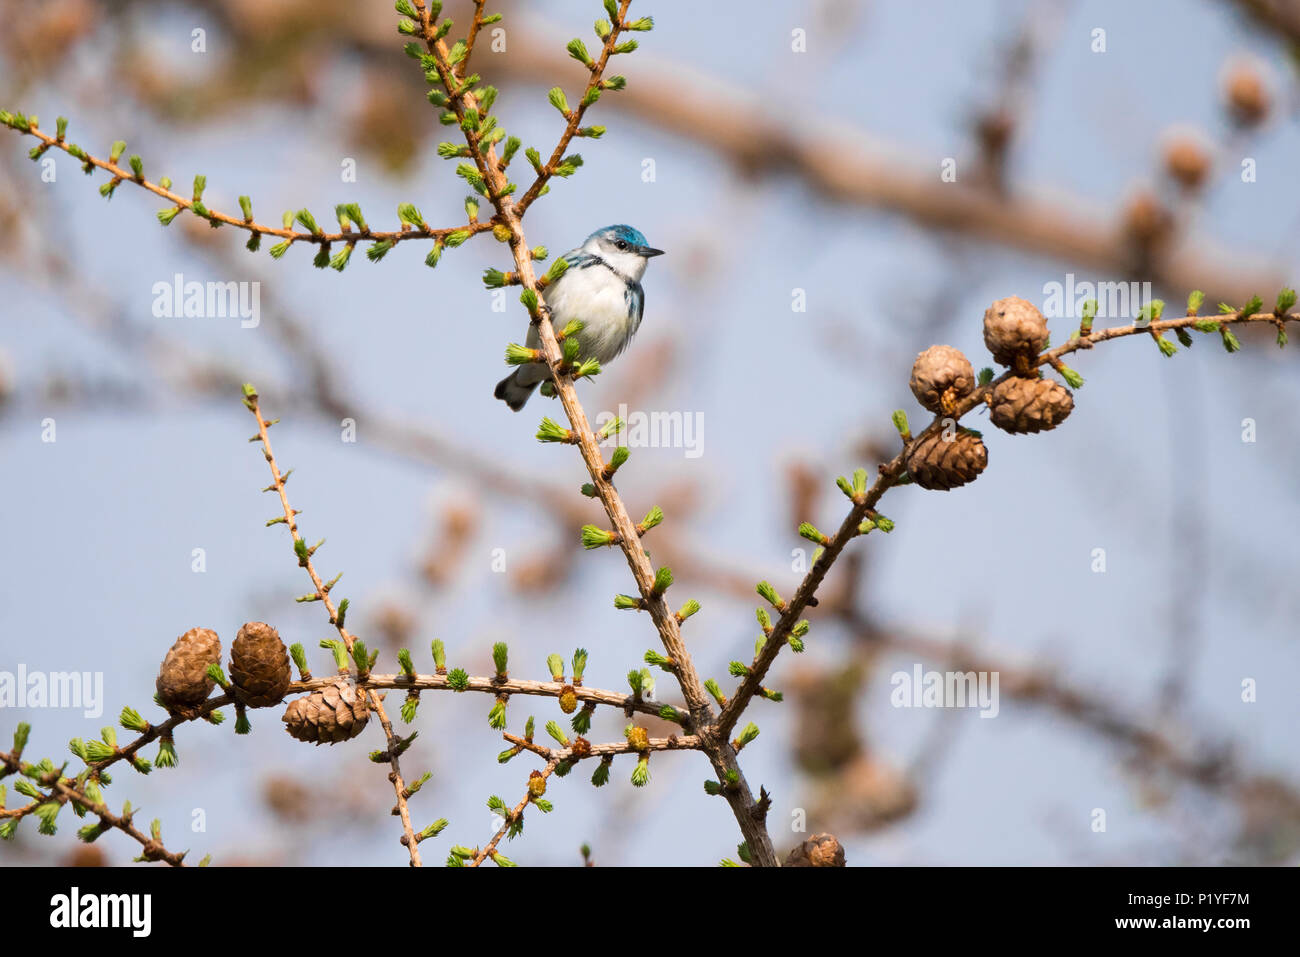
623,248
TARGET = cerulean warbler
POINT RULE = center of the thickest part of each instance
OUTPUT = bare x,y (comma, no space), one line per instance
602,289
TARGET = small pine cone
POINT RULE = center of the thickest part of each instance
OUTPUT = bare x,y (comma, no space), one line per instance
1147,221
581,747
820,850
941,376
536,784
568,699
1014,327
1247,94
332,714
638,737
182,679
259,665
1187,161
1030,405
936,463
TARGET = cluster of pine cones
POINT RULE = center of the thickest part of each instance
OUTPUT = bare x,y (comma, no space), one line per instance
260,677
1015,332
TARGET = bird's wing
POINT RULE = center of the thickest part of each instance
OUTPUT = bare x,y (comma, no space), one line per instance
635,297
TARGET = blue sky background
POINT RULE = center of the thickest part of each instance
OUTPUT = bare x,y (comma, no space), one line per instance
98,527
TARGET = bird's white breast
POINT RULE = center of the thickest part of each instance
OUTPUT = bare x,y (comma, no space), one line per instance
598,298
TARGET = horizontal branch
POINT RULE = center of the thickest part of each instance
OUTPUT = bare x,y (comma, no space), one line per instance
843,164
627,703
1079,705
1161,325
198,208
685,742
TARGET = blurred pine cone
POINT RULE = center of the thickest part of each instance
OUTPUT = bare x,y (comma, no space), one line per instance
1187,161
820,850
1148,223
259,665
866,795
1247,94
938,463
182,679
332,714
1030,405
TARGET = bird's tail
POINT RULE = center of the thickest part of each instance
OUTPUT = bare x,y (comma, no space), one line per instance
514,392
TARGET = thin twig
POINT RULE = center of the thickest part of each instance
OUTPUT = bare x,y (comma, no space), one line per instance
684,742
252,226
489,849
62,790
575,115
554,757
497,687
476,24
323,594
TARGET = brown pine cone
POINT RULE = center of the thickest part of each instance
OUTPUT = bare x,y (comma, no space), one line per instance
332,714
820,850
1247,94
1187,160
938,463
259,665
568,699
182,678
1147,220
941,375
1030,405
1013,327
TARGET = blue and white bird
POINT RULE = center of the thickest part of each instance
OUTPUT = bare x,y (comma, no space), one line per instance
602,289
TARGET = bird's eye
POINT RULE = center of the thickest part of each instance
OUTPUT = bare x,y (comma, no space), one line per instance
621,244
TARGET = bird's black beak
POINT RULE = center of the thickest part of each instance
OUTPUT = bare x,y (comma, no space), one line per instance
648,251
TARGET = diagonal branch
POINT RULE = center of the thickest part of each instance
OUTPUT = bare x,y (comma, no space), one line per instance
490,848
555,757
323,595
749,813
892,471
63,791
476,24
594,85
